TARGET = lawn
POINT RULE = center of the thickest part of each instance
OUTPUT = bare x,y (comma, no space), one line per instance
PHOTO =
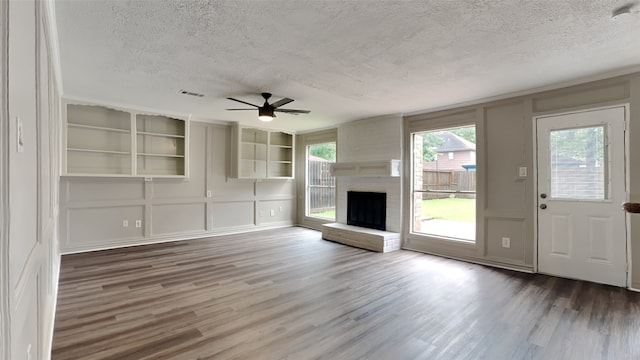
446,209
450,209
330,214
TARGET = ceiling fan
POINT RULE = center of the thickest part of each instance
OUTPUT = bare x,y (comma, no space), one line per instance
267,111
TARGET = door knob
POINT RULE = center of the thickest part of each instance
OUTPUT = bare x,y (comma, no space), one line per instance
543,206
544,196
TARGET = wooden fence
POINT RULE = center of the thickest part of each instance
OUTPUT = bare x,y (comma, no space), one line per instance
322,187
448,183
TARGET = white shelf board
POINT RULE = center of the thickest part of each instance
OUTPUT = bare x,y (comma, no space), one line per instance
161,155
160,134
96,151
101,128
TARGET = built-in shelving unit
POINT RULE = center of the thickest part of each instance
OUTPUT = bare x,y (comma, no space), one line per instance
102,141
280,155
160,144
262,154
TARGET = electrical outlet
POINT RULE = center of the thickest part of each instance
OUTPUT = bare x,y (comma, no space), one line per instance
125,223
208,193
506,242
138,223
280,208
522,171
272,212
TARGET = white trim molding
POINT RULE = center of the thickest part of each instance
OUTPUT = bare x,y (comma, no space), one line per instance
49,7
5,313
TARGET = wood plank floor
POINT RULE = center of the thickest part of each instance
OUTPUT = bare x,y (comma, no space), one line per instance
288,294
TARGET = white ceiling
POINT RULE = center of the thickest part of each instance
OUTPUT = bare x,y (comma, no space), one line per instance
343,60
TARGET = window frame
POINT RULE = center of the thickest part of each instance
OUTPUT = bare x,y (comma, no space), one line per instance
412,225
302,142
433,121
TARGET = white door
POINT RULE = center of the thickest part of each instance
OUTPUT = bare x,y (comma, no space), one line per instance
581,184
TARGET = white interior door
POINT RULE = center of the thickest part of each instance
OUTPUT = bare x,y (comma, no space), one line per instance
581,184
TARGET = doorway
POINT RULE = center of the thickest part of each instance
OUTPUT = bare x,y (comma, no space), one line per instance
581,183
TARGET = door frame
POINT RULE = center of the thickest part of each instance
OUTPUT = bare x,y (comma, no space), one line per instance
534,174
5,287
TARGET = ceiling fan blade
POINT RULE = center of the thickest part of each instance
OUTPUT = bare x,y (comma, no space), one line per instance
292,111
281,102
240,109
244,102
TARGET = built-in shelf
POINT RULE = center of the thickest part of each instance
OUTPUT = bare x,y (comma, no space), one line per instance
160,135
100,151
160,155
98,128
262,154
367,168
102,141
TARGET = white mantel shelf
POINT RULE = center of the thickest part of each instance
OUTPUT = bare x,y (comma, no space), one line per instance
386,168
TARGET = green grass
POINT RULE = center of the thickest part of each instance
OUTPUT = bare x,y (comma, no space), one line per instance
330,214
450,209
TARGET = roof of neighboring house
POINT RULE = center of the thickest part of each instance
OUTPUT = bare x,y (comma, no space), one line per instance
453,142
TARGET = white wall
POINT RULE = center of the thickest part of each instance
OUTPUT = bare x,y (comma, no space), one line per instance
93,208
374,139
32,252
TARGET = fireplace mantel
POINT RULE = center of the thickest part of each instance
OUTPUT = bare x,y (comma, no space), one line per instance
385,168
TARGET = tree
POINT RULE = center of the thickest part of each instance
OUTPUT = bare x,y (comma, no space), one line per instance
430,141
585,144
325,151
467,133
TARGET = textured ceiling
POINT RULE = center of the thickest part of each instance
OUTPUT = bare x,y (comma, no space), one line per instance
343,60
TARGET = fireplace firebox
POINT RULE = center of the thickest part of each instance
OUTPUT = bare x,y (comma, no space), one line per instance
367,209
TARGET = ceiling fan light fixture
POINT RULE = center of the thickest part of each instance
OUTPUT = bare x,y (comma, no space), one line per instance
265,114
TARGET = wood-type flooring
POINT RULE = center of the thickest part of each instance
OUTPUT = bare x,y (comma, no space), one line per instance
288,294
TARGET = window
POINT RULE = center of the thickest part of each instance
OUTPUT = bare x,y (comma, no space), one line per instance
578,168
321,186
444,192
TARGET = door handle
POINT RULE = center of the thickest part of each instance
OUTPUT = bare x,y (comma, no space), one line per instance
544,196
543,206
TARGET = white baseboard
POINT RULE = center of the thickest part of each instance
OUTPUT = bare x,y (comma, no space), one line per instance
175,237
48,346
